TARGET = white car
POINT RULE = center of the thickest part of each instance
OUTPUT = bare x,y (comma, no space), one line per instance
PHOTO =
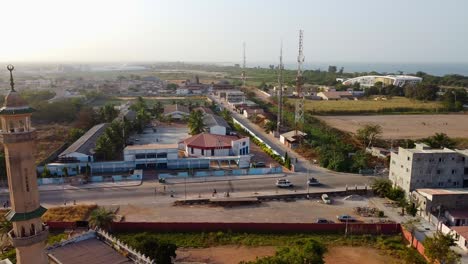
283,183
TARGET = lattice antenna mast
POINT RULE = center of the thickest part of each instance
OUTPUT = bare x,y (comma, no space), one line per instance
243,75
280,90
300,61
299,113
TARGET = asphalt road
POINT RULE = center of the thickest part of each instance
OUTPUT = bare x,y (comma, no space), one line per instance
145,193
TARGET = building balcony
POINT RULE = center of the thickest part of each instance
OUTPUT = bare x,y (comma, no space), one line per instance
17,137
40,236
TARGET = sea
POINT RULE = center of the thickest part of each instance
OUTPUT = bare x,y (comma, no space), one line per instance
438,69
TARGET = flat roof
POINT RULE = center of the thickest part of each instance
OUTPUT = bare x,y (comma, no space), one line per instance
152,146
441,191
433,151
89,251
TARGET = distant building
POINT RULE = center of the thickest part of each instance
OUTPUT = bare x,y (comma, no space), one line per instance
210,145
431,200
248,111
292,138
457,217
423,167
215,124
396,80
82,150
176,111
335,95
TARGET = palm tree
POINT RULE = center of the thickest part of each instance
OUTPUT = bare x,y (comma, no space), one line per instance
195,122
102,218
381,186
440,140
270,127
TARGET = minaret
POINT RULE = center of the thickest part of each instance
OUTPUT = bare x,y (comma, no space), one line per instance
29,234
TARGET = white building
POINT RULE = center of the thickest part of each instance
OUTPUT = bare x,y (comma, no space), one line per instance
182,91
423,167
215,124
292,138
82,150
210,145
151,155
396,80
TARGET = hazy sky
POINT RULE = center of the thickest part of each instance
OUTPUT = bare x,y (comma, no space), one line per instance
399,31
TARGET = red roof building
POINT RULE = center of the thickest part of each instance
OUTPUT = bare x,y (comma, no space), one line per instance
209,145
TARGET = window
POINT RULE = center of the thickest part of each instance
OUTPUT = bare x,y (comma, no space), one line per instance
453,171
438,171
212,152
441,184
140,156
243,143
407,170
26,179
151,155
409,158
440,159
455,183
191,150
463,158
203,152
466,170
161,155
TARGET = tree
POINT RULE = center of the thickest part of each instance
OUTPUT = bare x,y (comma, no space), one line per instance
411,226
155,249
381,186
195,122
74,134
5,227
172,86
440,140
107,113
102,218
45,172
308,252
437,249
369,134
270,126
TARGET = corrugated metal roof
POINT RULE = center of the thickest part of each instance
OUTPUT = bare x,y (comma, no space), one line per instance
89,251
87,142
214,120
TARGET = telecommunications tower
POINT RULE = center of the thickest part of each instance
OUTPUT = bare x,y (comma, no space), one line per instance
299,113
243,76
280,91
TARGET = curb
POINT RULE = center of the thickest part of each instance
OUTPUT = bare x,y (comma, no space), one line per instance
221,180
84,188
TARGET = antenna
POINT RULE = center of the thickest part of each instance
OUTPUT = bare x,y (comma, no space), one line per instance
243,76
10,68
299,113
280,92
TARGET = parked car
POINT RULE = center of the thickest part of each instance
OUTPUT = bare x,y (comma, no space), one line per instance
346,218
326,199
283,183
258,164
322,221
313,182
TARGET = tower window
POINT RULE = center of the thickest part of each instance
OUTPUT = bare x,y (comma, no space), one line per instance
26,179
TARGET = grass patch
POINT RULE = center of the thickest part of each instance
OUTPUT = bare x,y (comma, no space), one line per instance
394,105
390,245
68,213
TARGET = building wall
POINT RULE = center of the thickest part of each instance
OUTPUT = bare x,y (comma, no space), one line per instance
132,155
218,130
412,171
241,146
80,157
197,152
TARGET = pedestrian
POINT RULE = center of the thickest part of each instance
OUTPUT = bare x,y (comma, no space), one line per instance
4,204
74,202
155,190
164,188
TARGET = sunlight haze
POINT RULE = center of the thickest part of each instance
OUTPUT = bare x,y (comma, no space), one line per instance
213,31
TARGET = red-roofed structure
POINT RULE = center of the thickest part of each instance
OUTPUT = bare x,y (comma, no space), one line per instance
209,145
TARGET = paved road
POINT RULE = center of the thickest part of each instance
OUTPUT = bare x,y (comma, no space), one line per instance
302,164
145,194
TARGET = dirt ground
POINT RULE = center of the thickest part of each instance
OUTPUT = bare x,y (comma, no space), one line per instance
404,126
235,254
300,211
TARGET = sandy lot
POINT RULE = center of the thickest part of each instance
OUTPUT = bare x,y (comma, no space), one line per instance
235,254
300,211
404,126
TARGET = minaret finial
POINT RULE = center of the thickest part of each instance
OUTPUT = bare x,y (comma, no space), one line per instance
12,83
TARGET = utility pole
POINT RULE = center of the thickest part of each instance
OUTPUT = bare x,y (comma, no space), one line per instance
243,75
299,113
280,90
